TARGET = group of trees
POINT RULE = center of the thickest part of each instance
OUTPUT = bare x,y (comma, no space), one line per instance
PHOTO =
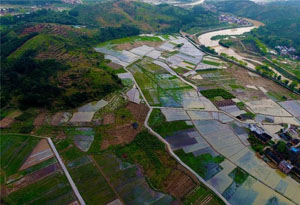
28,80
264,70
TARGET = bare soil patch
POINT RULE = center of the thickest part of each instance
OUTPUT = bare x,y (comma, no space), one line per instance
125,133
120,135
56,118
179,184
114,65
244,79
108,119
255,23
39,120
6,122
222,103
139,111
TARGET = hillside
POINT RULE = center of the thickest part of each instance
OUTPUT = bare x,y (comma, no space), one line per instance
148,18
51,35
52,65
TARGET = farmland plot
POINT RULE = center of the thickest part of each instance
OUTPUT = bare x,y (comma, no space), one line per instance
254,192
267,107
128,180
292,107
221,180
86,112
91,184
53,189
188,48
83,137
161,88
123,58
40,180
40,153
14,151
173,115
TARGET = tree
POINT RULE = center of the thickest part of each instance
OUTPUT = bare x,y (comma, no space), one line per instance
294,84
279,77
281,147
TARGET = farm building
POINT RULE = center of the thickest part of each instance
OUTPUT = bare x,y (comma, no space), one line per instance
272,156
259,133
285,136
285,167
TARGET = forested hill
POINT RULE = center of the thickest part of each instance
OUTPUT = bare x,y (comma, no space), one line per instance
148,18
282,20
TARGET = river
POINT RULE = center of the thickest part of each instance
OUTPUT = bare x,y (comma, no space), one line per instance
205,39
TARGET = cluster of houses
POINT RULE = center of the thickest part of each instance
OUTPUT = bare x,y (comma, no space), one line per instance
4,11
233,20
289,161
286,51
259,133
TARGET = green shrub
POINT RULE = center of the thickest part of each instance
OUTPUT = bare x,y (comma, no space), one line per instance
26,129
24,116
212,93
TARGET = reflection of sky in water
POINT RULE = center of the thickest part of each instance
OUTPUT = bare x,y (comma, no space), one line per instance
245,194
282,186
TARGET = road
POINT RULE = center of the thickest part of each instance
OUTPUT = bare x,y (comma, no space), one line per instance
75,190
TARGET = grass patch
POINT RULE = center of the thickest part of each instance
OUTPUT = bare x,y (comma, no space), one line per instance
6,112
235,87
147,151
240,105
181,70
24,124
158,123
212,93
24,116
239,176
71,154
211,63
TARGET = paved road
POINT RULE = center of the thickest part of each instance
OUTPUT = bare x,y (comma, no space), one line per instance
76,192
